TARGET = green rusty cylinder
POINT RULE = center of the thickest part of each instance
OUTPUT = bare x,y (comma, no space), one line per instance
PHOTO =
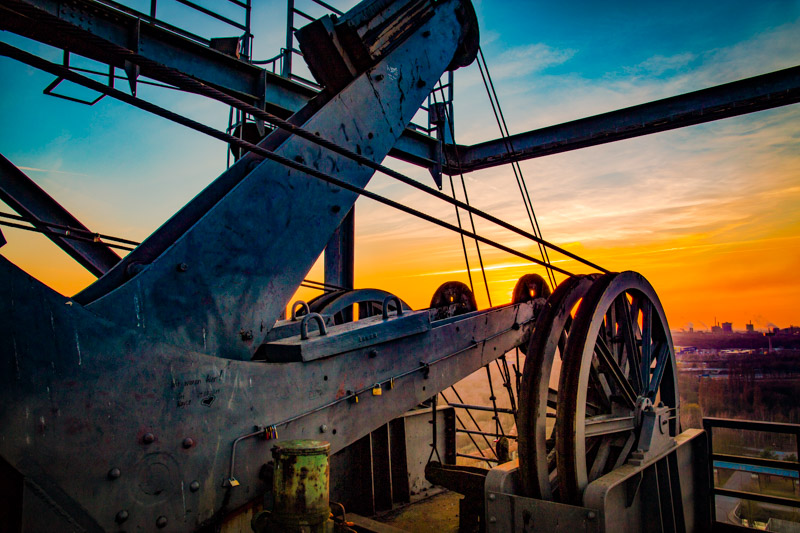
301,484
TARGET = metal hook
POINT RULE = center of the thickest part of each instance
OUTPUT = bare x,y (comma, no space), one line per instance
304,325
303,305
398,306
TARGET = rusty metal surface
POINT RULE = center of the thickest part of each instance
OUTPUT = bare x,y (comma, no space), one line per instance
77,382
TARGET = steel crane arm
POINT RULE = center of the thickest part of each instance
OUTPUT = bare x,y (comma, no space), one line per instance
218,274
113,427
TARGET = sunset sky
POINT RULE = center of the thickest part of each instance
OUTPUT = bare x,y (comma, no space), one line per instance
709,214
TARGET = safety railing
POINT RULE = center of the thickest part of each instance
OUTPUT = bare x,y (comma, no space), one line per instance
743,471
240,23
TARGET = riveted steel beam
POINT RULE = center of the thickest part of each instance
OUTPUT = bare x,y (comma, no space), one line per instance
32,202
97,31
723,101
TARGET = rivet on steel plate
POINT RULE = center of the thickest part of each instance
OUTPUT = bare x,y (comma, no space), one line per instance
121,516
182,267
161,522
323,428
492,497
492,519
194,486
148,438
114,473
188,442
591,515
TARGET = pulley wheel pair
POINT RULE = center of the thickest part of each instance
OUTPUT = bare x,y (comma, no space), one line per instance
607,339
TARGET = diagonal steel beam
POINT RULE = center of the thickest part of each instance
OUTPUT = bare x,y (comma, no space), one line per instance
32,202
728,100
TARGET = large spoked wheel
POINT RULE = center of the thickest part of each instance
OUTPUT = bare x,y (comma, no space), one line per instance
538,406
619,357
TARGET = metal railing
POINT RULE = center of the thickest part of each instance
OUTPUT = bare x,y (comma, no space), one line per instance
752,464
242,25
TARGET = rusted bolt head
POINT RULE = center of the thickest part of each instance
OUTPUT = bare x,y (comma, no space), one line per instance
148,438
161,522
188,442
114,473
121,516
194,486
323,428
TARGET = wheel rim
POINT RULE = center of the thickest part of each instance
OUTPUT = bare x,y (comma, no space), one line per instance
370,303
537,402
619,351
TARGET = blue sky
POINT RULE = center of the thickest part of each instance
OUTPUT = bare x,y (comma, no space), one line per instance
124,172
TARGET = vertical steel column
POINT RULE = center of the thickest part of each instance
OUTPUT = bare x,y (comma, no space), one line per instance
286,69
340,254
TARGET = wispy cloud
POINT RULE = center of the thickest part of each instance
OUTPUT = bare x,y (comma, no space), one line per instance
51,171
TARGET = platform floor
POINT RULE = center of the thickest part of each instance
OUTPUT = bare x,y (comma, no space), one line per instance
437,514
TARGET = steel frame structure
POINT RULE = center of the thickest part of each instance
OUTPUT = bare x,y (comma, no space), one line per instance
176,368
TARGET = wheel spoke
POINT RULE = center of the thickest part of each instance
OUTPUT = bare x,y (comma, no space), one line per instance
626,325
552,398
602,392
662,351
600,459
603,353
626,449
605,425
647,328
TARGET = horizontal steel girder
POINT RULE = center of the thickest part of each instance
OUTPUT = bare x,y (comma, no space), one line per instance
728,100
50,21
32,202
94,30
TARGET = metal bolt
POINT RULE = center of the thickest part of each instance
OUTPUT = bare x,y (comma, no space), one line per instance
492,519
148,438
323,428
492,497
134,268
183,267
194,486
591,515
114,473
188,442
121,516
161,522
372,353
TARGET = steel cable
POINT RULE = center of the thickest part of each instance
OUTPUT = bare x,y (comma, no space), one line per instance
504,133
58,70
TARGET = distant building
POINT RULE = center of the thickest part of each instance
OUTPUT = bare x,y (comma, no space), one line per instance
727,327
750,328
716,329
776,330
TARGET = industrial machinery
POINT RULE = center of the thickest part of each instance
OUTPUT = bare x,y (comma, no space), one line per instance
152,400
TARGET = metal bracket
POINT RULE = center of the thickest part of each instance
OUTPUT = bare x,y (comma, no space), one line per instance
49,90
